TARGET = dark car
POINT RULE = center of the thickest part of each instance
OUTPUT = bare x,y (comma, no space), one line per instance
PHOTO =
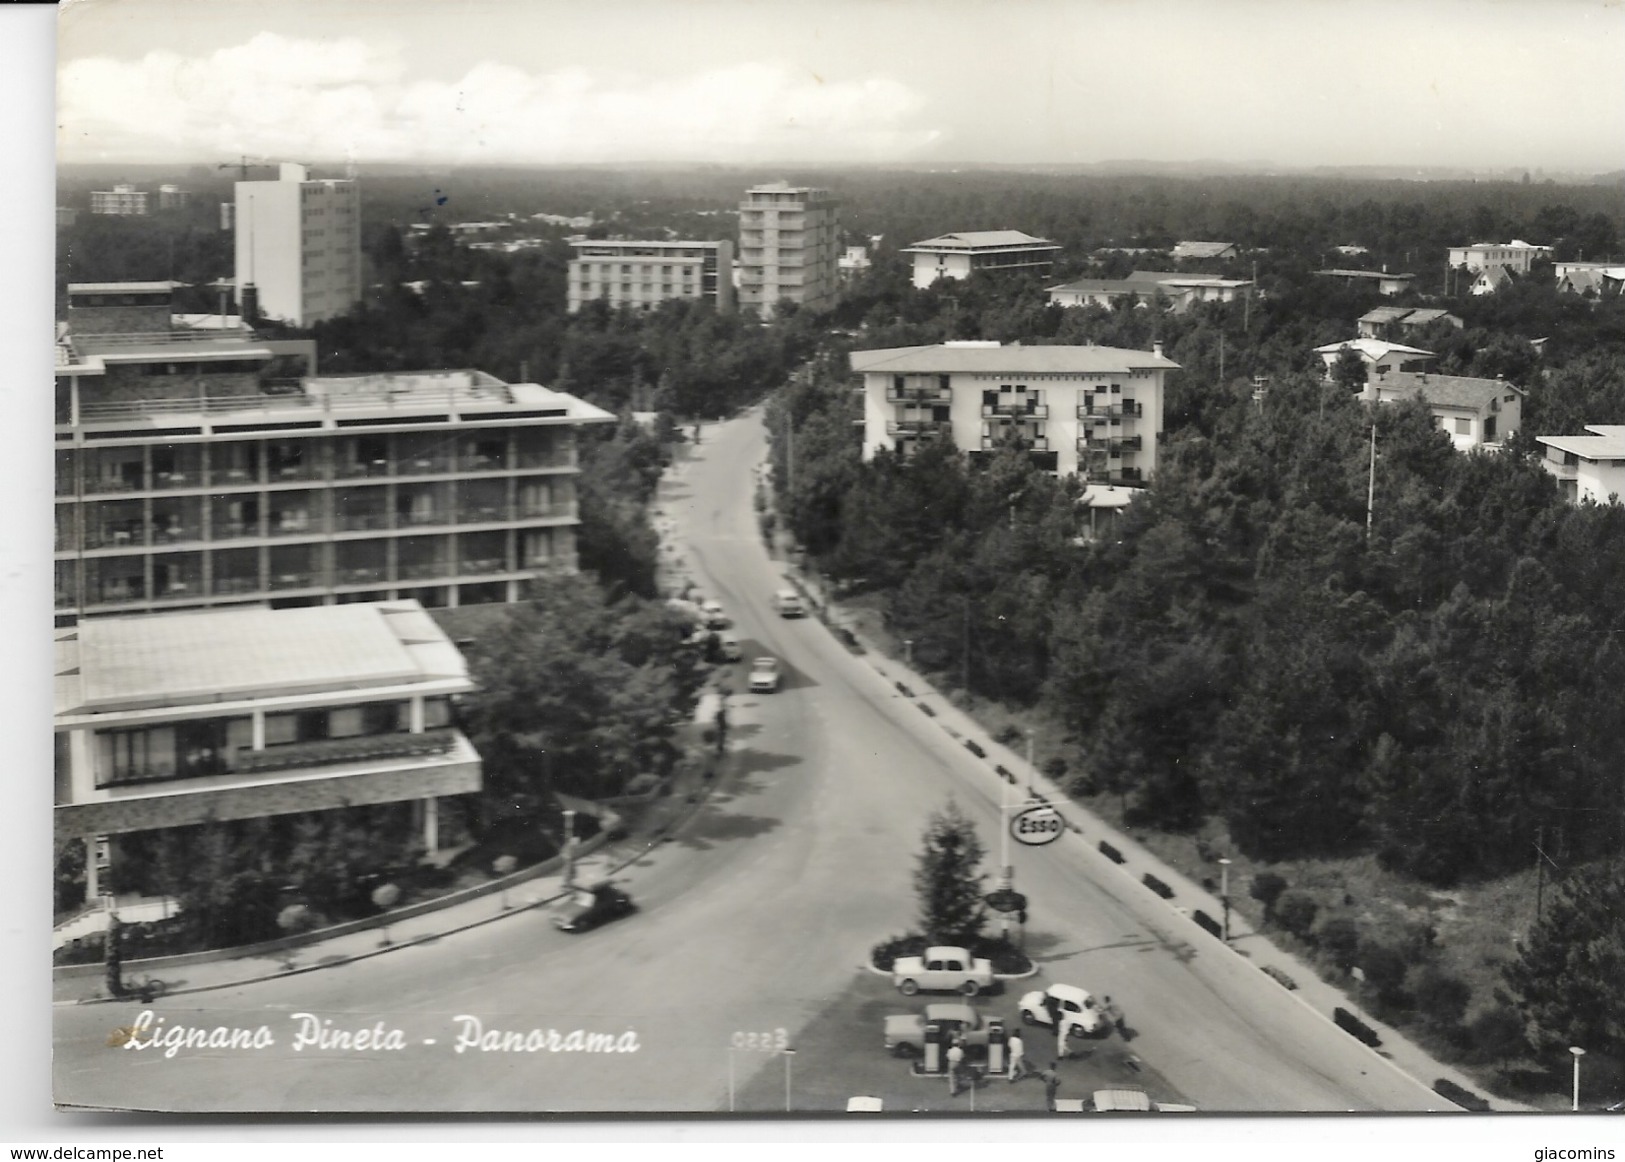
590,907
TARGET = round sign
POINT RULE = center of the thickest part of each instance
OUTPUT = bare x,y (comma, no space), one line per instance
1037,826
1005,900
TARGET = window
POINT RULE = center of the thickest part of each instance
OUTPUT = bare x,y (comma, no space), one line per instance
1464,427
436,713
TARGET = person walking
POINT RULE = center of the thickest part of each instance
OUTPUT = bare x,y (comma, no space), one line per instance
956,1059
1017,1049
1063,1030
1115,1016
1052,1084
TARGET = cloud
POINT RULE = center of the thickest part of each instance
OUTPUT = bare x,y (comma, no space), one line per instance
277,96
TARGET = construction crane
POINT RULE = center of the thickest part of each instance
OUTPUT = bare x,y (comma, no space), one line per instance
242,165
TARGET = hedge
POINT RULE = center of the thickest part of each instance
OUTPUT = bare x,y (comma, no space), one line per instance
1355,1027
1465,1098
926,709
975,748
1208,923
1158,886
1110,852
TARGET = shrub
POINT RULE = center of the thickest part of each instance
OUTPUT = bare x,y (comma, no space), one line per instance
1267,888
1055,767
1279,977
1008,735
904,690
1110,852
1158,886
1384,968
1208,923
887,951
975,748
1355,1027
926,709
1083,783
1465,1098
1296,913
1441,997
1497,1035
1340,937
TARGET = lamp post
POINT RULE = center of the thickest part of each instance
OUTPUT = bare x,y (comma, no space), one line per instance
569,848
788,1054
1224,893
1578,1053
908,652
1030,762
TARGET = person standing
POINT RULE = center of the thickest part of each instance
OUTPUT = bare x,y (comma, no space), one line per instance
956,1059
1115,1016
1063,1030
1052,1085
1017,1049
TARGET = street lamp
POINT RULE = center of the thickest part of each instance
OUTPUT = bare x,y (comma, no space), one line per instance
788,1054
1029,762
1224,893
908,652
1578,1053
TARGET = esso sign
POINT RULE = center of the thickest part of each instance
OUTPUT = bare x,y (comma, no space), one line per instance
1037,826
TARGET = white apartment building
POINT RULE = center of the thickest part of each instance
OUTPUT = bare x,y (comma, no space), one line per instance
1588,468
299,245
1092,411
643,274
171,197
123,200
957,255
1516,255
789,244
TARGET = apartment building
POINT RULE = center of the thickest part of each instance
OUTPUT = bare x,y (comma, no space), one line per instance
1181,291
789,245
1516,255
642,274
209,467
298,243
1092,411
178,719
171,197
1387,322
1587,468
959,255
123,200
1473,412
1378,280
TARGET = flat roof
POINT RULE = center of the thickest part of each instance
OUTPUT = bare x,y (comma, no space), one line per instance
1588,447
1009,360
187,659
123,288
1365,274
977,239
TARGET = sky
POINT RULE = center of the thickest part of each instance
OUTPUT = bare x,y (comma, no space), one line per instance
1459,83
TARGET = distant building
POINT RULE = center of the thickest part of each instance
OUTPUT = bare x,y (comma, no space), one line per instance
789,243
1194,250
1491,279
177,720
1092,411
1180,290
173,197
299,246
958,255
1592,279
209,466
1472,412
1379,356
1378,280
1516,255
853,262
123,200
1384,322
644,274
1588,468
228,216
1349,250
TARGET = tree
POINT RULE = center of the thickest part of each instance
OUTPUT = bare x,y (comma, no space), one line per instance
1349,372
1567,981
1296,913
1441,996
1266,889
946,879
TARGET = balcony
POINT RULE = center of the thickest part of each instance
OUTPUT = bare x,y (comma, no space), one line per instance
359,522
302,580
122,589
420,518
425,466
175,533
545,460
224,586
1132,476
331,751
1015,411
474,462
421,570
361,575
233,477
483,565
476,514
541,511
125,534
906,428
177,479
1113,411
1029,443
360,469
295,524
919,395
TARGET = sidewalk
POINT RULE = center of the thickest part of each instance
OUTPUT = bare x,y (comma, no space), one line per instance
1186,899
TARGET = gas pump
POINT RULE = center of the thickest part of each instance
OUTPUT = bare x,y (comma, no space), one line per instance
933,1061
996,1037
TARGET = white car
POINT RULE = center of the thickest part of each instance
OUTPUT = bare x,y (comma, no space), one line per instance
728,645
788,603
942,968
1075,1007
714,616
764,675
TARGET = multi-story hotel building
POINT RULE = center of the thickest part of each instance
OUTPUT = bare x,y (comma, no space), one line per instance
177,720
1093,411
213,467
123,200
299,246
640,274
789,245
958,255
1589,468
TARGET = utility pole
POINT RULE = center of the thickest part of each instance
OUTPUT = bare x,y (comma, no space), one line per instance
1371,484
1540,870
964,653
1221,358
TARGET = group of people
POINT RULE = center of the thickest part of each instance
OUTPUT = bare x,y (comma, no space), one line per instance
1016,1054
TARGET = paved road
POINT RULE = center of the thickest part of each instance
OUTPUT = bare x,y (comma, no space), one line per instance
753,918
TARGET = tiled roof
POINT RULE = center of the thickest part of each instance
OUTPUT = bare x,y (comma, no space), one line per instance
979,239
1459,391
1007,360
1370,348
1385,314
1425,315
1365,274
1202,249
1110,286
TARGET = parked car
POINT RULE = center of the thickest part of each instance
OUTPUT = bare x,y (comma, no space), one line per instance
714,616
1108,1101
905,1032
728,647
593,906
764,675
944,969
1071,1003
789,604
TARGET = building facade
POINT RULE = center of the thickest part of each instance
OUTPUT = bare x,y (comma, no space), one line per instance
173,197
211,467
624,272
1473,412
1181,291
123,200
1587,468
1516,255
1379,356
180,719
1092,411
298,243
789,244
959,255
1378,280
